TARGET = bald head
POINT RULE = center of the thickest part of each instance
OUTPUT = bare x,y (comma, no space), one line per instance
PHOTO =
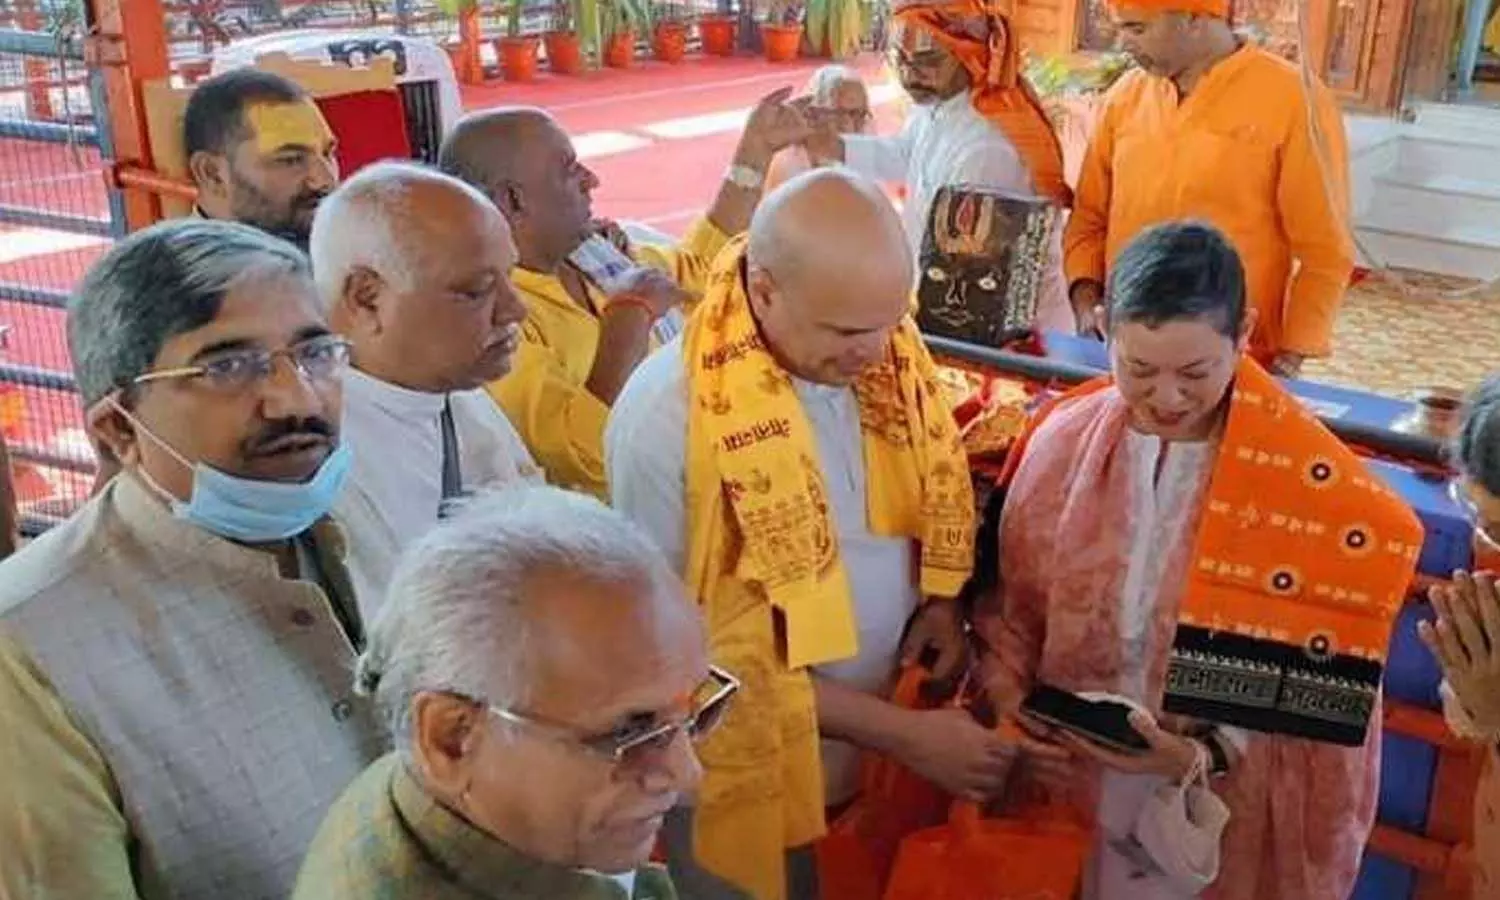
412,266
825,223
490,147
522,160
829,274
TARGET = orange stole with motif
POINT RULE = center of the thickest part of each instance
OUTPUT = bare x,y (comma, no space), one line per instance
1302,561
763,559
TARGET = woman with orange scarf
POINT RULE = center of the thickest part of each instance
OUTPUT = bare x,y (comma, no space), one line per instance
1173,534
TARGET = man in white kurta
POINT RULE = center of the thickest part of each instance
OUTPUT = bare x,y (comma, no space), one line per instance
412,266
973,122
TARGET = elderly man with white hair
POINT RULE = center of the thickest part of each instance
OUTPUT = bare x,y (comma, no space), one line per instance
545,676
412,266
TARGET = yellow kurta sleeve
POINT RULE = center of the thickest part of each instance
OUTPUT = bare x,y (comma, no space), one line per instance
1313,195
561,422
62,834
691,260
1086,236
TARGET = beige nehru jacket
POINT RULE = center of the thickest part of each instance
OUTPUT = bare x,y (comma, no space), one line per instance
176,715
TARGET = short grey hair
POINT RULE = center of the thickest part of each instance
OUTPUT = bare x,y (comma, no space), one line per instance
1478,443
827,79
368,222
160,282
456,615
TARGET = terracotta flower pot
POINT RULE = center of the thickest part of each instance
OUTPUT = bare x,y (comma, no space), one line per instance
518,57
669,42
465,68
564,54
718,35
782,42
619,50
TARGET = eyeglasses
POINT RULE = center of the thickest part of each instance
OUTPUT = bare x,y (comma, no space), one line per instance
1486,531
853,118
634,744
317,359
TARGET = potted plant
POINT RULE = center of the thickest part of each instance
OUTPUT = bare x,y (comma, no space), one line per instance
463,48
619,23
517,51
669,36
781,32
717,34
564,49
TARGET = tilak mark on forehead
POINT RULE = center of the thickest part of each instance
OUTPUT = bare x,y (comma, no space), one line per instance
279,126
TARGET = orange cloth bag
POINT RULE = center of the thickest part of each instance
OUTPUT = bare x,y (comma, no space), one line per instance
855,857
1037,854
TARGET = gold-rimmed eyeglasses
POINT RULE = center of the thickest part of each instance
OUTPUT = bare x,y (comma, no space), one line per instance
635,742
318,359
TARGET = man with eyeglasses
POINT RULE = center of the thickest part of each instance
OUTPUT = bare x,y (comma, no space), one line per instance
412,267
545,678
174,656
975,122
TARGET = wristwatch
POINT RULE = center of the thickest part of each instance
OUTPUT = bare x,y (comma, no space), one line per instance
745,177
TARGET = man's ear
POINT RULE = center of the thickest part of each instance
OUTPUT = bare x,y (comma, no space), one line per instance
445,732
760,288
510,199
359,300
113,435
210,172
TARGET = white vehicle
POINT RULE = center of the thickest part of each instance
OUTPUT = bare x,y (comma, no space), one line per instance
423,71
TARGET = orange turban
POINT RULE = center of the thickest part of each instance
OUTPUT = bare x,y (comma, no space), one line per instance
981,38
1218,9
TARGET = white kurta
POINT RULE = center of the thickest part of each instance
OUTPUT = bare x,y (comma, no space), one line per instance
396,486
645,458
1167,484
947,144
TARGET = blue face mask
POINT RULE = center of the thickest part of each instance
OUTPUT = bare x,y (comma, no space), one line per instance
252,511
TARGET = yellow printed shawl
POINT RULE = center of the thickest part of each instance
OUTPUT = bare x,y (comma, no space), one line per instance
763,559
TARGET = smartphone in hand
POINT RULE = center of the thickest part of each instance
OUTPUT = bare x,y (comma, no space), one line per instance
1098,718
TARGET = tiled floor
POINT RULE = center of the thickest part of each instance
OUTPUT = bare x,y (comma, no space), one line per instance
1414,330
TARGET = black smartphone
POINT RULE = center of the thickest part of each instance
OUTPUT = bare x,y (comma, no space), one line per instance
1099,721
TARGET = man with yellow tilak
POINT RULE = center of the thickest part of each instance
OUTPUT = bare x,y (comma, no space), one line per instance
792,454
259,152
1213,129
975,122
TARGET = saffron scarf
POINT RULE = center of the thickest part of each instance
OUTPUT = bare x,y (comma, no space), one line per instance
1300,564
982,39
763,559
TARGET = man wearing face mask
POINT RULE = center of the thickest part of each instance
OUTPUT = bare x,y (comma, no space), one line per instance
1216,129
174,657
975,122
791,455
259,152
412,267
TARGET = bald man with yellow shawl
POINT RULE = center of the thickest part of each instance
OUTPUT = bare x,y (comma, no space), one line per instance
792,453
1217,130
975,122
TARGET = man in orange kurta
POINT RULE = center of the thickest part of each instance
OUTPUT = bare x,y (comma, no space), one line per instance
1213,129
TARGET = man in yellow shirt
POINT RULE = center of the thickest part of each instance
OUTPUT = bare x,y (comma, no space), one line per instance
579,346
1216,130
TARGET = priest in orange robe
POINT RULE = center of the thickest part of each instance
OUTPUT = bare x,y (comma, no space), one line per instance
1213,129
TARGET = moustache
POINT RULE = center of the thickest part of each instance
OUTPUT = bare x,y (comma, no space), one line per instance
290,431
